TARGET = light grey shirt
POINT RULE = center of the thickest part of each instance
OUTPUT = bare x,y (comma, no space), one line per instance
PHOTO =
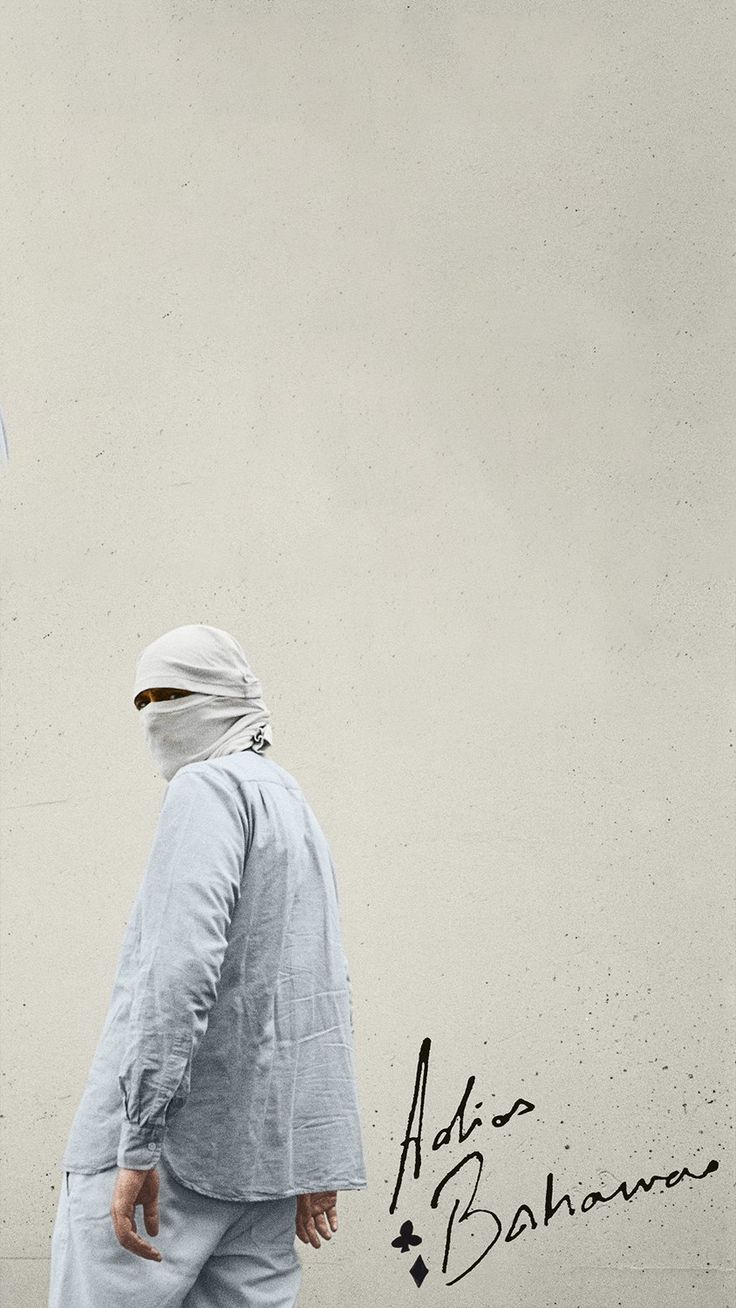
227,1049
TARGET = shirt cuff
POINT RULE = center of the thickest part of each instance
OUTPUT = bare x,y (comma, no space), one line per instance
140,1146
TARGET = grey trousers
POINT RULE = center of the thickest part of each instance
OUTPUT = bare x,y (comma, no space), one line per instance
215,1253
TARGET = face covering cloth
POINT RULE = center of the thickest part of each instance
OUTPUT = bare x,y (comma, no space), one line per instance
225,712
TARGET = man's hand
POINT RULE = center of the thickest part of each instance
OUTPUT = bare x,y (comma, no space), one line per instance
313,1212
131,1188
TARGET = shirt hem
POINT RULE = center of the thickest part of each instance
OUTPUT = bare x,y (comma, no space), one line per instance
353,1183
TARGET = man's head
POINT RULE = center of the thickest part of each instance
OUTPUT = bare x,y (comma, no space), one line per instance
221,709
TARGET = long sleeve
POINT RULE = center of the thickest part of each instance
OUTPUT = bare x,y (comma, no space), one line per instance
189,892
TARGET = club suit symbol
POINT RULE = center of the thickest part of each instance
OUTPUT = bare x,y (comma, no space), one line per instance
406,1237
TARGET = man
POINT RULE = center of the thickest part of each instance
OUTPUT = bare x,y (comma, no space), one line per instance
222,1097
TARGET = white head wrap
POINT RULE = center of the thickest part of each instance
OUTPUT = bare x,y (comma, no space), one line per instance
223,715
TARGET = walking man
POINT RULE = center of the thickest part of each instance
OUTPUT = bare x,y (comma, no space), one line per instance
222,1098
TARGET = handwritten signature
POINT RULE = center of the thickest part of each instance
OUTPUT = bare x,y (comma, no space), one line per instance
471,1166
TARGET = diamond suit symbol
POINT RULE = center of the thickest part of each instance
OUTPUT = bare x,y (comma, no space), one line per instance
418,1270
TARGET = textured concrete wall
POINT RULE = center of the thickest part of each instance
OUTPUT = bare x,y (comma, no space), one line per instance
393,338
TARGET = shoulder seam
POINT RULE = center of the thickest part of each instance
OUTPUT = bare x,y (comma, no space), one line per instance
247,781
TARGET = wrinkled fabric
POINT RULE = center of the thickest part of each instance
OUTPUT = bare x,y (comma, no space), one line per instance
227,1049
224,712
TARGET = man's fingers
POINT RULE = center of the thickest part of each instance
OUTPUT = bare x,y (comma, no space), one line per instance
322,1226
141,1248
317,1225
316,1216
136,1188
327,1215
125,1230
314,1239
150,1216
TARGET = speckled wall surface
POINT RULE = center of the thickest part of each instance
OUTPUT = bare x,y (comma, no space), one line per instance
393,338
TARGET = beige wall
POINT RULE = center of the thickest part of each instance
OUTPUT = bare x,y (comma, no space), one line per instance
393,338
